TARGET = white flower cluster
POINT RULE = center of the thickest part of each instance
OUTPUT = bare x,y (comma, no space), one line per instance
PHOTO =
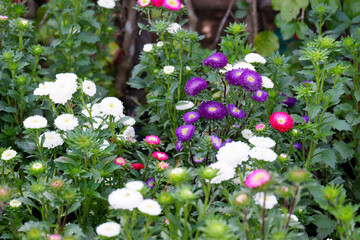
261,149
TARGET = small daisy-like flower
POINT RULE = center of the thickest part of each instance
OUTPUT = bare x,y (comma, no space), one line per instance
54,237
262,142
247,133
191,117
260,96
66,122
160,156
216,141
173,28
184,105
173,5
151,183
185,132
233,76
178,146
198,159
89,88
160,43
43,89
169,69
255,58
244,65
112,106
297,146
250,80
35,122
52,139
120,161
260,127
236,112
143,3
137,166
135,185
212,110
281,121
216,60
257,178
163,165
8,154
15,203
36,167
270,200
266,82
195,85
108,229
152,140
264,154
125,199
148,47
150,207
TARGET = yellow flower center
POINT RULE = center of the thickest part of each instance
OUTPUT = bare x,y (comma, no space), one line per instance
184,131
259,176
250,79
212,109
281,120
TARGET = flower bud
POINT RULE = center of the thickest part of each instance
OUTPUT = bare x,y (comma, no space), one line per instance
37,50
178,174
241,199
283,157
185,194
298,175
4,193
208,173
166,199
260,127
163,165
33,234
216,228
295,132
57,184
36,167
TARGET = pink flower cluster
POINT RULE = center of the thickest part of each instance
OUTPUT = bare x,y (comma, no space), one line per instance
173,5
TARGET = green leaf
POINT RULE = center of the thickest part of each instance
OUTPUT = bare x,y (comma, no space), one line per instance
357,96
313,110
289,10
276,4
88,37
340,125
344,150
302,3
325,226
95,173
324,156
297,118
287,30
243,9
266,43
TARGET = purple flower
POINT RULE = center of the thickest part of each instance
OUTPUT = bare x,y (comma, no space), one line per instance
260,96
195,85
250,80
226,141
178,146
236,112
191,117
233,76
289,101
216,141
306,118
212,110
297,145
151,183
216,60
198,159
185,132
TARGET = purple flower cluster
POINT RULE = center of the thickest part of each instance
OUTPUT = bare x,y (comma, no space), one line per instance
216,141
191,117
233,77
185,132
250,80
216,60
260,96
236,112
212,110
195,85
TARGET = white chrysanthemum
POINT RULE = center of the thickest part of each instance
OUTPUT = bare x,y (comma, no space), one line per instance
66,122
68,76
43,89
255,58
52,139
173,28
233,154
63,88
270,200
264,154
247,133
15,203
262,142
8,154
184,105
130,122
35,122
169,69
108,229
94,109
129,132
125,199
109,4
244,65
112,106
160,44
104,145
148,47
266,82
292,216
227,68
89,88
150,207
135,185
226,172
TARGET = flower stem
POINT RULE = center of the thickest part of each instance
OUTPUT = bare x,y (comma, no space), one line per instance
292,205
146,166
263,218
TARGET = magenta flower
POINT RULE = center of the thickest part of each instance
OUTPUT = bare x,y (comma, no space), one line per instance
250,80
216,141
120,161
143,3
260,127
178,146
195,85
160,156
152,139
191,117
212,110
233,76
163,165
185,132
236,112
257,178
260,96
157,3
54,237
216,60
173,5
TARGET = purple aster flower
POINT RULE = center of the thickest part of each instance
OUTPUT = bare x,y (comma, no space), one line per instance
236,112
260,96
226,141
297,145
233,76
216,141
178,146
212,110
191,117
151,183
289,101
185,132
195,85
250,80
216,60
198,159
306,118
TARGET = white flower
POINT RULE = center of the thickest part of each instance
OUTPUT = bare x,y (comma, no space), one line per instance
94,109
67,76
247,133
292,216
148,47
15,203
255,58
270,200
169,69
173,28
244,65
129,132
8,154
227,68
262,142
109,4
35,122
264,154
125,199
150,207
66,122
266,82
24,22
188,68
43,89
135,185
160,44
63,88
226,172
89,88
108,229
99,122
184,105
129,122
104,145
233,154
52,139
112,106
177,171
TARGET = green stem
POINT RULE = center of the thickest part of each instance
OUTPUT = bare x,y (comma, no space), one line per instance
147,224
35,65
21,40
53,106
166,50
146,166
181,70
126,226
186,215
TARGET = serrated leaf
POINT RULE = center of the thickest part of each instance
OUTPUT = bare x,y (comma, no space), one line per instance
357,96
88,37
340,125
325,226
297,118
324,156
344,150
313,110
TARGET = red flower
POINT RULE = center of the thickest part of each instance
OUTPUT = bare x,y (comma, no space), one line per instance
137,166
157,3
281,121
160,156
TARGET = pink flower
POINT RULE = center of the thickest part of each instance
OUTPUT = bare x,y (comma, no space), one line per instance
160,156
120,161
137,166
173,5
152,139
54,237
166,221
257,178
143,3
260,127
163,165
157,3
281,121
